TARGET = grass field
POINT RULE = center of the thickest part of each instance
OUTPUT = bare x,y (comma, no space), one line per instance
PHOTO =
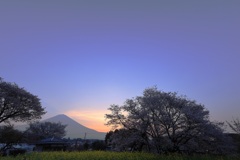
101,155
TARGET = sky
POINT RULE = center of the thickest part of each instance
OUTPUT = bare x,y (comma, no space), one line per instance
79,57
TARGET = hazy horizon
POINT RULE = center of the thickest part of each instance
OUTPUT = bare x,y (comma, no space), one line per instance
79,57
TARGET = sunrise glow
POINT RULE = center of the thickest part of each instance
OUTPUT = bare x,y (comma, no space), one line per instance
93,119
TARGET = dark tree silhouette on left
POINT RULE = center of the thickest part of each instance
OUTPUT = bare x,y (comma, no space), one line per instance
9,136
17,104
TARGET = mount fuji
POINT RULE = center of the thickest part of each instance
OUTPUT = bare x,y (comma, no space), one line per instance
73,129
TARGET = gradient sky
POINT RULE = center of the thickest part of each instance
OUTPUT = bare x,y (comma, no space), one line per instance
80,57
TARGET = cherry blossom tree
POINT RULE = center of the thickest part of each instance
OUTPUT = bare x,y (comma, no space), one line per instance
235,125
17,104
41,130
9,136
168,123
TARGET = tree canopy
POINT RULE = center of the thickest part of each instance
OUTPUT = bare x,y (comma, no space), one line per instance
235,125
9,136
166,122
17,104
41,130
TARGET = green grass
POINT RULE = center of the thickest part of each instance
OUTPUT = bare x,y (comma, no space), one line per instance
101,155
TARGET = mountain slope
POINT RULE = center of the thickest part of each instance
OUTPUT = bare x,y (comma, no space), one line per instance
76,130
73,129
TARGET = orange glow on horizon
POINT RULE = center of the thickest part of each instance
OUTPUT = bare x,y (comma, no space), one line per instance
91,119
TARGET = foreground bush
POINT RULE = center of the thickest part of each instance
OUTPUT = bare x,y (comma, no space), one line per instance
101,155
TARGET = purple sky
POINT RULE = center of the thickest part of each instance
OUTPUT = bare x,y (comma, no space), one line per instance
80,57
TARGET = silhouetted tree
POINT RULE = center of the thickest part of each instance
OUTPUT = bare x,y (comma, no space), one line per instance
235,125
126,140
41,130
86,145
166,122
17,104
98,145
107,137
9,136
